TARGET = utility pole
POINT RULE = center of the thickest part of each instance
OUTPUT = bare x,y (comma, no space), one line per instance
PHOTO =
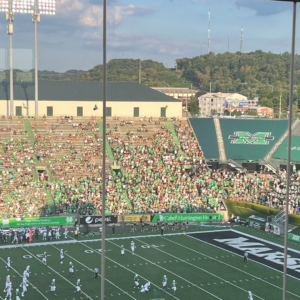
242,38
228,48
10,31
208,45
140,73
201,47
280,106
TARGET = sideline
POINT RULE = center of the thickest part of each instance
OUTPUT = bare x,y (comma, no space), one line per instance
73,241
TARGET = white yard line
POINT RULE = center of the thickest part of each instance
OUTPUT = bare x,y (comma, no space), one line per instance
93,272
170,272
130,271
73,241
21,278
220,278
253,237
58,274
228,264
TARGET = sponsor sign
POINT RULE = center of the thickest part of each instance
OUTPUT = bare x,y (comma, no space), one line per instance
134,218
294,237
257,225
30,222
258,218
247,138
243,221
90,220
262,251
276,230
189,217
237,103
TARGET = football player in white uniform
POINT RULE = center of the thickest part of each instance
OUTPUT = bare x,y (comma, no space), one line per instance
132,247
8,293
44,234
147,286
66,233
164,283
8,263
24,286
7,283
71,270
250,296
57,235
62,256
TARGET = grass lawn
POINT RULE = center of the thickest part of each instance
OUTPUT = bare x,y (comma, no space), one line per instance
201,270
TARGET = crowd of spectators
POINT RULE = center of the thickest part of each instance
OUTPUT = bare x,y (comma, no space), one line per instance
161,171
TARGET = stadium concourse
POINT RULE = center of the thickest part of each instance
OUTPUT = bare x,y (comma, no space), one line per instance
53,165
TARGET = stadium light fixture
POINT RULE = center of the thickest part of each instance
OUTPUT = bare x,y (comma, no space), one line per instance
36,8
288,168
39,7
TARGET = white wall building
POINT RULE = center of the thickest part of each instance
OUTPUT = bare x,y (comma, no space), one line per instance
216,101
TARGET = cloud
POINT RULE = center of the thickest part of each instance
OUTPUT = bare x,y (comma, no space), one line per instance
148,45
93,16
264,8
71,5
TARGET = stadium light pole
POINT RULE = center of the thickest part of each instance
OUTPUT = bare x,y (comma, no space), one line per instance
40,7
36,8
104,155
10,31
36,17
288,168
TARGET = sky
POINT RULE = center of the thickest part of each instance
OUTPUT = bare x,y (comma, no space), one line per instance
161,30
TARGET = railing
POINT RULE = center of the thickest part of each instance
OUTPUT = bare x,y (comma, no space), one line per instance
222,153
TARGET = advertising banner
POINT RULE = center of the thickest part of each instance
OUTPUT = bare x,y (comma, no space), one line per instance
237,103
92,220
257,225
294,237
30,222
276,230
191,217
134,218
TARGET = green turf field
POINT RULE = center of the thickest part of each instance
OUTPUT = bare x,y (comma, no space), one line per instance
201,270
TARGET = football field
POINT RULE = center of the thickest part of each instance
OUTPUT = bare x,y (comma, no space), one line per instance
206,264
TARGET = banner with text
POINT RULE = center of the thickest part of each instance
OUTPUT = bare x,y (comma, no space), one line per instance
30,222
190,217
92,220
134,218
294,237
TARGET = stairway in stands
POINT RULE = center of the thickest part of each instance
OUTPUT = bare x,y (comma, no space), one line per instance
279,220
271,165
221,146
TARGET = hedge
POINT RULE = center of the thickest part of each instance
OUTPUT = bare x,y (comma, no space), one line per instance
293,219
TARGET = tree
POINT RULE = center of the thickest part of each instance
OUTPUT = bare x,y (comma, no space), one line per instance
266,102
193,107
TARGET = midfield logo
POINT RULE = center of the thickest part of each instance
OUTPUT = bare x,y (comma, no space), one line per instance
246,138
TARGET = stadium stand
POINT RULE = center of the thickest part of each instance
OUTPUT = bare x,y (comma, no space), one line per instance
281,152
250,139
204,129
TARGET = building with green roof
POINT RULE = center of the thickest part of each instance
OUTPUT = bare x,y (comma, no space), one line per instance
78,98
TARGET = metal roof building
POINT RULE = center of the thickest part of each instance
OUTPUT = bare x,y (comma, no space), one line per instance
128,99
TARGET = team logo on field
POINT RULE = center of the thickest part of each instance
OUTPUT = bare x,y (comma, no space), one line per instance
247,138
